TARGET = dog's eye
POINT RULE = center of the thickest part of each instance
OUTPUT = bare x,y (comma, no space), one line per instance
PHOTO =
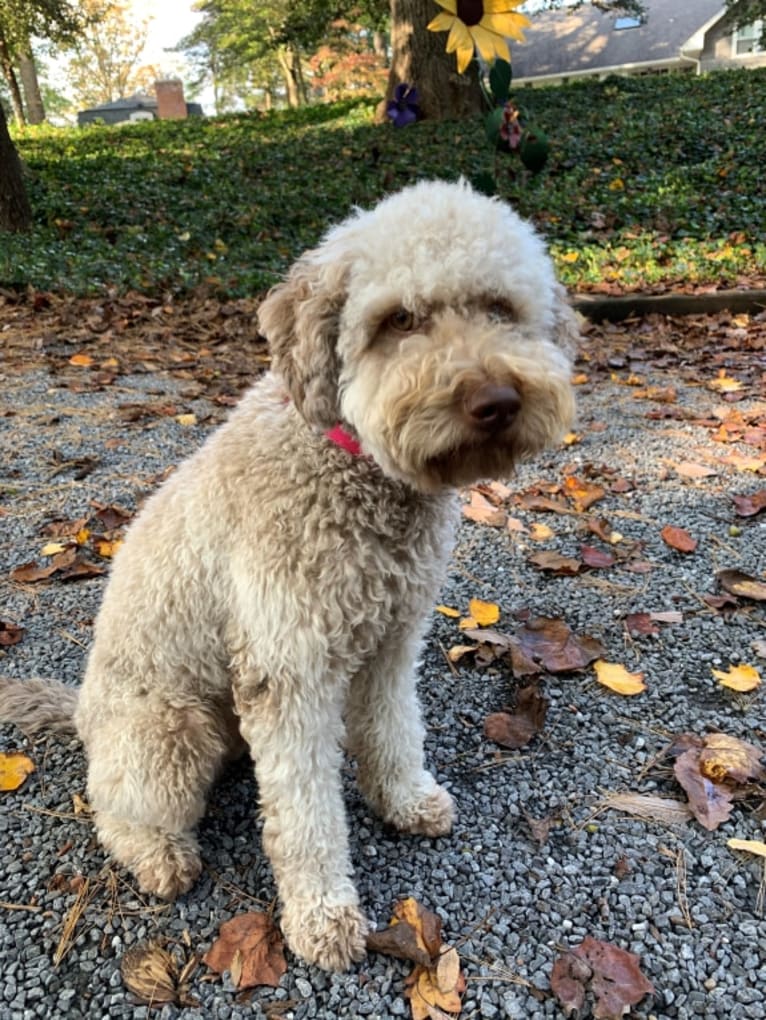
501,311
402,320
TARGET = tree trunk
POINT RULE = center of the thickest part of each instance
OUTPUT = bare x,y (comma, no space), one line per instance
420,59
379,47
289,63
6,63
15,213
29,82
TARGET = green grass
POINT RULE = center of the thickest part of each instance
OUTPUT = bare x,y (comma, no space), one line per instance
652,182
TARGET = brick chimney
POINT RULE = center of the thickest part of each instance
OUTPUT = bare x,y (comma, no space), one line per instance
171,104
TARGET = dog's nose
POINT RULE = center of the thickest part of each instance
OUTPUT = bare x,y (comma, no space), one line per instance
492,407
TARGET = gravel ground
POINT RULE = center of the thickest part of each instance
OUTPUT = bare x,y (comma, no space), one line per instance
690,907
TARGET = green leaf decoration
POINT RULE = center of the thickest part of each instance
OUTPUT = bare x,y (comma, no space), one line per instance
484,182
492,123
500,81
534,149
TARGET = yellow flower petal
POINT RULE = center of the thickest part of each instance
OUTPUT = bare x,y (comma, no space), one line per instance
441,23
506,24
490,44
459,37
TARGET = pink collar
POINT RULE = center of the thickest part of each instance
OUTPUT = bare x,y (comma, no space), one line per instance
340,437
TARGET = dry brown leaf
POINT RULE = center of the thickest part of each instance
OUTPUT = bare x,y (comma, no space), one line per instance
678,539
259,943
641,623
399,939
710,802
14,769
482,511
749,506
597,558
726,759
691,469
749,846
515,729
10,634
654,809
617,678
660,394
151,974
540,532
739,678
552,644
582,494
613,975
743,585
555,563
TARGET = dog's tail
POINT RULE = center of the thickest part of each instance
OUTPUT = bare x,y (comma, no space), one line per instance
38,705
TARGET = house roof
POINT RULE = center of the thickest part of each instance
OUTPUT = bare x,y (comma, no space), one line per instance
560,42
138,101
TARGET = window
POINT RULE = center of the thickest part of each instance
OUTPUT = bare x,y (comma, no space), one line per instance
747,39
627,21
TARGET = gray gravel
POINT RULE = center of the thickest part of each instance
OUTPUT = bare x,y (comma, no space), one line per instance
508,903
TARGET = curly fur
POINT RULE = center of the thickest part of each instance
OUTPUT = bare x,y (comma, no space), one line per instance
276,589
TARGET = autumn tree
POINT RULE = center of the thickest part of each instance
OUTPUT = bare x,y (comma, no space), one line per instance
106,56
57,21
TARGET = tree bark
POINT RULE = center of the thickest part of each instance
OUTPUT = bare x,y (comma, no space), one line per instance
289,63
31,86
420,59
6,64
15,212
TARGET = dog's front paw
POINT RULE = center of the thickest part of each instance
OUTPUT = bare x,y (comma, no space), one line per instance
433,814
331,937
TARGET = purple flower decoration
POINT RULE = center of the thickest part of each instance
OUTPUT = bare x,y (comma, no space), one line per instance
510,128
403,109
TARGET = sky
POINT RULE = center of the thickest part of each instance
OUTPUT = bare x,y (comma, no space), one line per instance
169,22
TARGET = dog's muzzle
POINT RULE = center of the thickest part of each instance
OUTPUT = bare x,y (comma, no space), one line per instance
491,408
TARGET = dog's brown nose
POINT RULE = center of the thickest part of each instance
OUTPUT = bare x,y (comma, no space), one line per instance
492,407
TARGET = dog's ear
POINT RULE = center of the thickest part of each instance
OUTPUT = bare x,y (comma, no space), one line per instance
566,326
300,319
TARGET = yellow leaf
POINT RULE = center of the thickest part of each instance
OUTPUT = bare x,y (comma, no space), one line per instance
750,846
617,678
571,438
108,549
540,532
618,184
468,623
14,769
81,360
447,611
52,549
82,536
570,256
724,383
484,613
456,653
186,419
739,678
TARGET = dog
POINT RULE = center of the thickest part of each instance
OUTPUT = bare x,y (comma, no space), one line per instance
276,589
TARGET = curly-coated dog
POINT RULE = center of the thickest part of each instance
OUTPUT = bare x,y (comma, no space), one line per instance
278,586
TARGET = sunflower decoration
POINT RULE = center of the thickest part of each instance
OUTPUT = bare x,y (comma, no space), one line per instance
485,25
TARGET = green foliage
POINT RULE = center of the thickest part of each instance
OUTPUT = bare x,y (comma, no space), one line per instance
630,195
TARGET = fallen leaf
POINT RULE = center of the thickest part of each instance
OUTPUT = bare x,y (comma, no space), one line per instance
597,558
724,383
603,529
484,613
739,678
107,548
654,809
749,506
710,803
29,573
678,539
726,759
659,394
690,469
759,647
582,494
186,419
401,940
617,678
14,769
540,532
10,634
540,827
612,974
151,974
641,623
81,360
447,611
743,585
482,511
552,644
750,846
52,549
555,563
457,652
515,729
256,939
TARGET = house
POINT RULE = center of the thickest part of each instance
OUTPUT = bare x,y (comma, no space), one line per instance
168,103
673,35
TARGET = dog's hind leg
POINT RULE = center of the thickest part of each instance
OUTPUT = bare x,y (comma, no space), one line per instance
385,735
150,770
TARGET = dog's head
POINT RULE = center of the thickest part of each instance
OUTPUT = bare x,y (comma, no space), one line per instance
434,328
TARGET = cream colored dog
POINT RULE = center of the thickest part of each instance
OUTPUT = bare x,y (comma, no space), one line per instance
278,586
